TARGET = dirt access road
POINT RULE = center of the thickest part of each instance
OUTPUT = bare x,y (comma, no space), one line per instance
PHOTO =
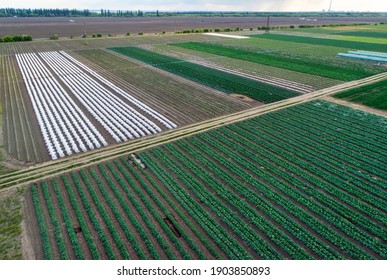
54,168
66,26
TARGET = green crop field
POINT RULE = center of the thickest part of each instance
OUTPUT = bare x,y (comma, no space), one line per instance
351,45
364,33
220,80
250,68
262,44
306,182
329,68
360,40
374,95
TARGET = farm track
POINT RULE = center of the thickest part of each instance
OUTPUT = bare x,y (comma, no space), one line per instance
46,170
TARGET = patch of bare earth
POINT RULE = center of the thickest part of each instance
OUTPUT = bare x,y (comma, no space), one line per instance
244,98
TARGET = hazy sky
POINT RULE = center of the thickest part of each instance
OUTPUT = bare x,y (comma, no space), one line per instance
205,5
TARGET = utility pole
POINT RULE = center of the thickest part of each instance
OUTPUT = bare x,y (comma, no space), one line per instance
267,31
330,6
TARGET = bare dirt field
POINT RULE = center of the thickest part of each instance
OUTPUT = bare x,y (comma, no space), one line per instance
45,27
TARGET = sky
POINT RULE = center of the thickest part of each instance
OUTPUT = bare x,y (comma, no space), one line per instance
205,5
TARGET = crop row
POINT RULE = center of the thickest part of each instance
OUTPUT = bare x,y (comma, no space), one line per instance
358,147
327,153
362,33
44,234
55,223
366,121
371,135
278,186
331,140
102,211
18,137
100,207
140,105
220,80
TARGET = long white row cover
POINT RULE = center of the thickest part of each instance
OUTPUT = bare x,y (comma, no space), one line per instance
64,127
368,53
120,120
363,57
162,119
378,57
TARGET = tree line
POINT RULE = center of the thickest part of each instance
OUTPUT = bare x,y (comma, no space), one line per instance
15,38
12,12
